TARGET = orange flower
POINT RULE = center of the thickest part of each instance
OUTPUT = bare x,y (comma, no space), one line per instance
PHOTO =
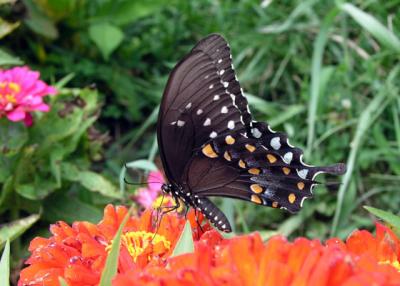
246,260
384,247
78,253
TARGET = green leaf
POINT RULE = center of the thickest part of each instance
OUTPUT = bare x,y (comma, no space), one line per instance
69,209
13,137
7,59
12,230
185,243
142,164
107,38
6,27
62,281
40,188
388,217
228,208
372,25
111,267
6,194
90,180
5,266
38,22
97,183
127,11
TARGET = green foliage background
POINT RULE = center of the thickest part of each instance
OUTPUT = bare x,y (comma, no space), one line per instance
325,72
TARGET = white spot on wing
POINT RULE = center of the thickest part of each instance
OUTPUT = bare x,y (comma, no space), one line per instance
231,124
256,133
199,111
220,61
276,143
211,86
302,173
180,123
221,72
173,123
213,134
224,109
225,83
216,97
288,157
207,122
189,105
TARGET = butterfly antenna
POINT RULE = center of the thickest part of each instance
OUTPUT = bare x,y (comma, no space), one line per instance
143,183
131,183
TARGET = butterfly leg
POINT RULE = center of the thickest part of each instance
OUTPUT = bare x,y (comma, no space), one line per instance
169,209
197,222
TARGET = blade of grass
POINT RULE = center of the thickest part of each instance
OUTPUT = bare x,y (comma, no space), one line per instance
369,115
14,229
133,136
396,122
301,10
111,267
228,208
372,25
62,281
388,217
316,68
185,243
5,266
242,218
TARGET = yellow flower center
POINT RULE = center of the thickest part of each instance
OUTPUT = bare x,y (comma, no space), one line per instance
139,242
8,91
395,264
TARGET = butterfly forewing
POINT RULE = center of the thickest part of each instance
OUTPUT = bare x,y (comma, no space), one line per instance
198,105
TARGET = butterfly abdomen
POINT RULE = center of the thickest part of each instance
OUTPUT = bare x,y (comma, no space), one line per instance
213,214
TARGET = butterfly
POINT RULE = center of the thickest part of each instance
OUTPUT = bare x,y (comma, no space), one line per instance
210,146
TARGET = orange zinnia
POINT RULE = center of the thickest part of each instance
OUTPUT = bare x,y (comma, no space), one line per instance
78,253
384,247
246,260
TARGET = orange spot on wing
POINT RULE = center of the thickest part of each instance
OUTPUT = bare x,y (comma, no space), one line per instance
292,198
256,199
256,188
254,171
286,170
271,158
229,140
250,147
227,156
209,151
300,185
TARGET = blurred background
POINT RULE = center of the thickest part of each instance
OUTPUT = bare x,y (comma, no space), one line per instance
325,72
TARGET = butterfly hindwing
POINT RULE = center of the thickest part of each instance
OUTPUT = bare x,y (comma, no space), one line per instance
210,146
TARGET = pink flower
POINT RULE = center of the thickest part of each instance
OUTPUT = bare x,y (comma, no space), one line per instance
147,196
21,92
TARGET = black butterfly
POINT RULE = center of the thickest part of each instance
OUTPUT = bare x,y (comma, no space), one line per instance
210,146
